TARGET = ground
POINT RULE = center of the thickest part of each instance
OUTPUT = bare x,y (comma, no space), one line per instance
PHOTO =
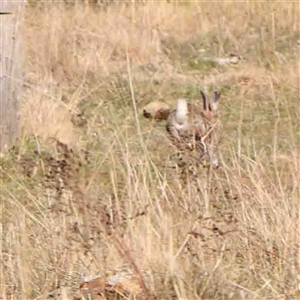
93,186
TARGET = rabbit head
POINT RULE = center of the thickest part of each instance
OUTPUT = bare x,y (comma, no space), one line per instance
207,130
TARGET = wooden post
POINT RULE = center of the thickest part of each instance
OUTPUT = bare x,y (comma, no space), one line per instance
11,57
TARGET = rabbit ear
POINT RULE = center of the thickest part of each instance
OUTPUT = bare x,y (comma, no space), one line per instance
204,100
213,106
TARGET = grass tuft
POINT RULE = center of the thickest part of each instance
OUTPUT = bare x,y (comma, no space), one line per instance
93,186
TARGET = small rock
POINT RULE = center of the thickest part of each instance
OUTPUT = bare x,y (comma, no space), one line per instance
121,281
156,110
222,61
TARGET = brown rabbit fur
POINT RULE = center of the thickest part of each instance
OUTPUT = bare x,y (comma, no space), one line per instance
194,128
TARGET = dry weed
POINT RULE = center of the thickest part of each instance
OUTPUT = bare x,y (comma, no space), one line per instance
90,187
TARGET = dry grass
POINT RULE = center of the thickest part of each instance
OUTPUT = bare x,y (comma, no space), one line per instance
90,187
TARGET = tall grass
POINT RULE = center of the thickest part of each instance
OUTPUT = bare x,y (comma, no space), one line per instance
93,185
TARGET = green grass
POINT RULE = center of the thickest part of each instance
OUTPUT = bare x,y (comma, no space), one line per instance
78,199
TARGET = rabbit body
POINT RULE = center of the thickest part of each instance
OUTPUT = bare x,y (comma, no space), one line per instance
194,128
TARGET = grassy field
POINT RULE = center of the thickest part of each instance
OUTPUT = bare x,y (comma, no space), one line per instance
93,185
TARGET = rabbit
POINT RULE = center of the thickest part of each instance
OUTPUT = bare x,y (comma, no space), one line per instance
194,128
